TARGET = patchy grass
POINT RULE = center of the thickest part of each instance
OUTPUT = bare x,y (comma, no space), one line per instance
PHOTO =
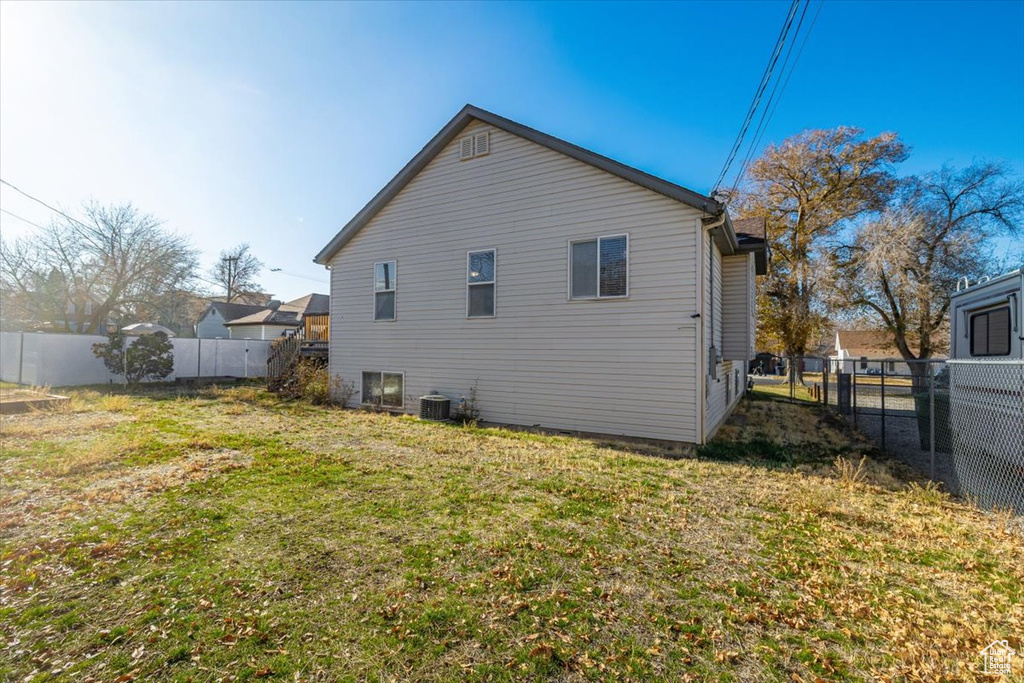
890,380
229,535
782,390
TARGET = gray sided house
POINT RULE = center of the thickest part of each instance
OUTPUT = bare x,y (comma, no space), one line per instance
571,291
288,318
211,322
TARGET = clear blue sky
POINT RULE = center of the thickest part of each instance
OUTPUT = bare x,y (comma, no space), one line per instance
275,123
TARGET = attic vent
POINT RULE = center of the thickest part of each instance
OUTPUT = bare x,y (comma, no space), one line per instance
466,148
481,144
476,145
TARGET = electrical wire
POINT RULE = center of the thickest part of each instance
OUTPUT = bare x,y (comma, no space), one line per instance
814,20
762,86
58,211
61,213
304,277
40,201
24,220
762,125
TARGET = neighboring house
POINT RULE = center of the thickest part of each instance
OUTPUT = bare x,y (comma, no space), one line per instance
864,351
306,316
211,322
568,290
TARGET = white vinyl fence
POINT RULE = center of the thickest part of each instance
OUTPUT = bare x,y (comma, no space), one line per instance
61,360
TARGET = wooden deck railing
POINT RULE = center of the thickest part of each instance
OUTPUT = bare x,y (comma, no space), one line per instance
317,328
284,353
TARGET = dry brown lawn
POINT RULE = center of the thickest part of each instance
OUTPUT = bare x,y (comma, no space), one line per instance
230,535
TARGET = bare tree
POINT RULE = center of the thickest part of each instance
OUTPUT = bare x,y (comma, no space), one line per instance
806,189
236,271
113,262
903,267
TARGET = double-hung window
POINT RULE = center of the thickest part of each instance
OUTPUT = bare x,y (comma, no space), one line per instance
384,290
990,332
481,279
383,389
599,268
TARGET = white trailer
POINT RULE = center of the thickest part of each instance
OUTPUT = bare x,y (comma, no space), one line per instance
986,389
985,318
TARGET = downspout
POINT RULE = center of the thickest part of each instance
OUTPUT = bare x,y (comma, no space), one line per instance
702,396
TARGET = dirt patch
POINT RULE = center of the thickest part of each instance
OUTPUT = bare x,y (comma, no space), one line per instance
33,426
786,423
128,484
33,502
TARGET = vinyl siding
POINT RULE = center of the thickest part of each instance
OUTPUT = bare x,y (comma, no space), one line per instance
716,389
259,331
737,289
752,312
212,326
625,366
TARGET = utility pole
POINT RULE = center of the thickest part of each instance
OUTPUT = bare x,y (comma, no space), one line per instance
231,261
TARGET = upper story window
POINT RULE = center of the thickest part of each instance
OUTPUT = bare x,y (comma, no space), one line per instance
990,332
599,268
384,290
481,278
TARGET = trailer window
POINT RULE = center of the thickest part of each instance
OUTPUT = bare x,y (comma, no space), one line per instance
990,332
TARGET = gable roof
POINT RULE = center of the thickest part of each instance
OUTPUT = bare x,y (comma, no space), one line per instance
866,344
752,236
290,313
470,113
231,311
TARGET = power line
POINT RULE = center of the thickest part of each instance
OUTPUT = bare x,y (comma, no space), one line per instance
762,125
762,86
40,201
814,20
24,220
61,213
304,277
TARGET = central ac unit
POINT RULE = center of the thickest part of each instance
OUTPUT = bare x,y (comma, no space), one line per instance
435,407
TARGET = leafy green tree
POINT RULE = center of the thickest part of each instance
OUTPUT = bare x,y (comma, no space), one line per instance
149,357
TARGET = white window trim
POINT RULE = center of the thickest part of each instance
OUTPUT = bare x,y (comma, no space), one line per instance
374,291
362,399
598,297
494,313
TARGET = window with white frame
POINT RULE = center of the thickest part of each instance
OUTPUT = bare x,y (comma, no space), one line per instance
383,389
384,290
599,268
481,279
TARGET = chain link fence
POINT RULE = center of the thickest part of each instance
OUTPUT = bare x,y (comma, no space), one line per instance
958,422
986,426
